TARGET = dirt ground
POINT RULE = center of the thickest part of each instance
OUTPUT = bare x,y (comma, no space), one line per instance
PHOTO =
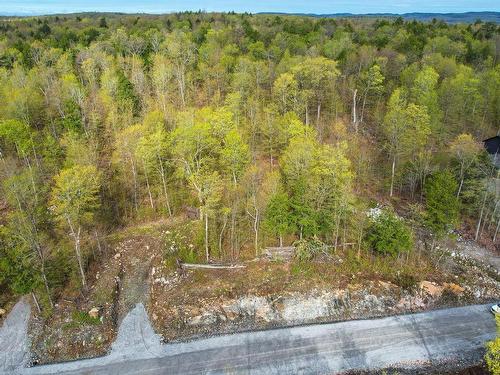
121,281
139,265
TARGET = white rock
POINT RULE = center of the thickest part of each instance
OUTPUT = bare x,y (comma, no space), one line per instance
94,313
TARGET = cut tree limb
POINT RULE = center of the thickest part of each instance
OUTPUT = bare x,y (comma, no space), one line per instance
212,266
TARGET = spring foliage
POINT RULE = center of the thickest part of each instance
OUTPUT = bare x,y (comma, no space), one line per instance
269,128
388,234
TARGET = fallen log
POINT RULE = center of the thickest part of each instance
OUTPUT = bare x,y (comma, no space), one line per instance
212,266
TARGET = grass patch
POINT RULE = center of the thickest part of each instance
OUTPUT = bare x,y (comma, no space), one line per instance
302,269
83,318
406,281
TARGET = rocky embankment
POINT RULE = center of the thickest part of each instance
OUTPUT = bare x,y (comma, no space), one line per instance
358,301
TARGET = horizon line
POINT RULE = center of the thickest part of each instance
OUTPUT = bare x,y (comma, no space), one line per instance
31,14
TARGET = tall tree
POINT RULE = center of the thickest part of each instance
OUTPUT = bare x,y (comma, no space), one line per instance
406,129
441,202
278,219
75,198
180,50
465,150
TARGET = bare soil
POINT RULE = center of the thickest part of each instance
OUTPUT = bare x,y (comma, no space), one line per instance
139,265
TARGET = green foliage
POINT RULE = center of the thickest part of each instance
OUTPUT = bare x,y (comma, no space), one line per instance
308,249
18,134
302,269
441,202
179,244
406,125
279,220
16,265
388,234
75,194
406,280
102,23
83,318
126,94
424,93
107,120
493,351
72,119
318,178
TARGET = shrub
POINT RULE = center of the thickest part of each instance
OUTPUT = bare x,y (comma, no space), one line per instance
406,281
493,352
308,249
388,234
441,202
179,245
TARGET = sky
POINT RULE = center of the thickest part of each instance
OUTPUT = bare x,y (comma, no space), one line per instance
37,7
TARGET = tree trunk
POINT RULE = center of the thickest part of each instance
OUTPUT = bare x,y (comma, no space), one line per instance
496,231
147,184
492,217
221,234
255,217
164,182
392,175
481,216
337,226
256,231
181,81
134,174
232,231
354,114
318,114
206,236
281,240
422,188
44,276
35,191
359,242
460,187
344,240
363,106
98,241
36,302
76,237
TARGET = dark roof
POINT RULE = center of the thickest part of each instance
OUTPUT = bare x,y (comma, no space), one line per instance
492,145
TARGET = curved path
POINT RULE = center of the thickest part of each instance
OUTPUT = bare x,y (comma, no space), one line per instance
398,341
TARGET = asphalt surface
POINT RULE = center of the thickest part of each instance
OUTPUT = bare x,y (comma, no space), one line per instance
14,341
400,341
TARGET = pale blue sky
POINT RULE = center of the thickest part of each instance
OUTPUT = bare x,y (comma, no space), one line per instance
292,6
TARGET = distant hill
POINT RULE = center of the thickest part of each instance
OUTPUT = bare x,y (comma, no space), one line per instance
467,17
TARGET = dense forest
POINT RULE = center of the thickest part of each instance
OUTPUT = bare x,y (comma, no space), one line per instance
268,130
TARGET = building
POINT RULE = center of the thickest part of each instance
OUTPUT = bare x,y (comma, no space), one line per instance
492,146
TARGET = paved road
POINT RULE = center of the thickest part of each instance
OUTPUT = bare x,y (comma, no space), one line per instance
14,342
316,349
